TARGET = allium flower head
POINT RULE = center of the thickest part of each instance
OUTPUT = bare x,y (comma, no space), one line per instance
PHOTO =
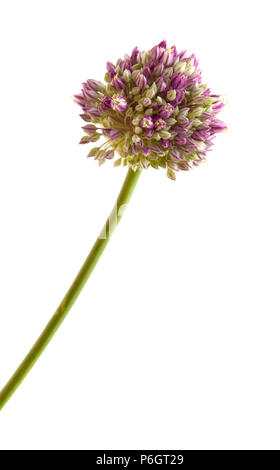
154,110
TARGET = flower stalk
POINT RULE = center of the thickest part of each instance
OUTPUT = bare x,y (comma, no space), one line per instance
75,289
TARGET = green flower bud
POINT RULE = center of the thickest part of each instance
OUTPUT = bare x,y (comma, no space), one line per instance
145,57
135,75
135,90
94,137
171,174
181,118
197,112
118,162
180,67
129,112
135,121
160,100
171,95
152,91
139,108
171,121
145,102
165,134
93,152
99,154
127,75
110,90
167,73
107,78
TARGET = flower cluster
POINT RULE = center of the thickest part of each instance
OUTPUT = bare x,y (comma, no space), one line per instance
153,111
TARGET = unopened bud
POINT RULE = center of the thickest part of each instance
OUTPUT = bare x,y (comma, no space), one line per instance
127,75
151,92
107,78
171,95
165,135
135,91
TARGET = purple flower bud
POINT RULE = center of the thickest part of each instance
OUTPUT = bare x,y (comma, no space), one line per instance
155,53
218,126
147,122
175,155
180,140
162,44
141,81
165,143
90,94
195,60
79,99
89,129
118,103
161,84
175,80
111,70
149,132
178,81
156,148
158,69
125,65
85,140
180,95
218,107
166,110
148,73
111,133
168,58
85,117
134,149
105,103
183,82
146,151
118,83
92,111
182,55
199,135
159,123
95,85
134,54
109,154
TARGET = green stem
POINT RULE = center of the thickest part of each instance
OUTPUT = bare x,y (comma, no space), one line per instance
75,289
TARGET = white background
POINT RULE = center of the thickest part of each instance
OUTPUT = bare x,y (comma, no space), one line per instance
174,342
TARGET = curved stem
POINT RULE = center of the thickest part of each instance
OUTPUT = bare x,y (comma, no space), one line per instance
75,289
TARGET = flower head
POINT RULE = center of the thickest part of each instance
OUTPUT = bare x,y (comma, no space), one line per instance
154,110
